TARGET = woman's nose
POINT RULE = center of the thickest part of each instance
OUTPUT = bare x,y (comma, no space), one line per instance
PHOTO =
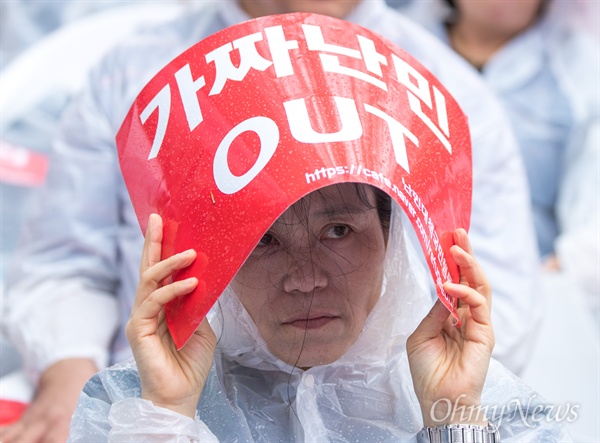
305,276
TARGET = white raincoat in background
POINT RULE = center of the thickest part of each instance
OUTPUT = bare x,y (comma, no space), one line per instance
365,396
71,289
547,79
24,22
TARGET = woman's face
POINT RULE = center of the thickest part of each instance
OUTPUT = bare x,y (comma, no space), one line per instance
502,17
315,276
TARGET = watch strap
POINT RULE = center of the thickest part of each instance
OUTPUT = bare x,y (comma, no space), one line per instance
459,433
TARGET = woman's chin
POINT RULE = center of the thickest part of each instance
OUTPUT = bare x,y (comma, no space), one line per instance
314,349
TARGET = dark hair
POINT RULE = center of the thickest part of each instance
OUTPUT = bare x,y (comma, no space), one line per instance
452,4
383,204
384,209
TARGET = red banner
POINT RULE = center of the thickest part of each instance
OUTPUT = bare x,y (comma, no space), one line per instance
21,166
246,122
11,411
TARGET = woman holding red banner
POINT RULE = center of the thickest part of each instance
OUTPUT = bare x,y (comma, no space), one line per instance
306,294
312,343
320,330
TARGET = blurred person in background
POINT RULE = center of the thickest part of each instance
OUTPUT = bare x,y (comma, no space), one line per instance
541,58
23,22
51,46
70,291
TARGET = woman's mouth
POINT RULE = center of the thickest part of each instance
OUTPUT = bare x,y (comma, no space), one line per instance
313,322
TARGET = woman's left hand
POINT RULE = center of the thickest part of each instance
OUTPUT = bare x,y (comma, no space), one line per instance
449,364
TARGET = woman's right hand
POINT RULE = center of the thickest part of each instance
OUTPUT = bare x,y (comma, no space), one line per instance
170,378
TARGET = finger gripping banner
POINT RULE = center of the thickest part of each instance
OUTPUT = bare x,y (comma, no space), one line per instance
246,122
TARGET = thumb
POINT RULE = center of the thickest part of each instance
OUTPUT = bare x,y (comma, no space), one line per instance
430,327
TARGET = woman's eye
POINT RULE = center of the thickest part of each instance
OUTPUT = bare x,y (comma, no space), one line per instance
266,240
338,231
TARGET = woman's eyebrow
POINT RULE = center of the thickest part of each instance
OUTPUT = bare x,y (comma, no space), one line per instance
337,212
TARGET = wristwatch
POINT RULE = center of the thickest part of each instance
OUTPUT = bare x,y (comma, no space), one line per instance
459,434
